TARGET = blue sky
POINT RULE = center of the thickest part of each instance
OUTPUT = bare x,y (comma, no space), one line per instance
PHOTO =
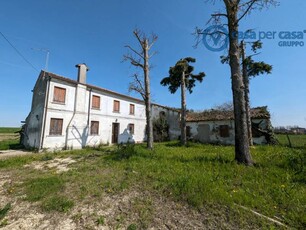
95,32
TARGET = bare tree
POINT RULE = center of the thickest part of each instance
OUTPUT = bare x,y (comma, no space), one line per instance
141,83
236,10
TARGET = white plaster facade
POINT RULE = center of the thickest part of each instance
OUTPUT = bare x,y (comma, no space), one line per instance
77,113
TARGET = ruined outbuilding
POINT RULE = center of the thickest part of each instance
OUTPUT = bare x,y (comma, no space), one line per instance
218,126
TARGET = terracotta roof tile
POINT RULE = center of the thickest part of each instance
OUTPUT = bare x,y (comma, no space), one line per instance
219,115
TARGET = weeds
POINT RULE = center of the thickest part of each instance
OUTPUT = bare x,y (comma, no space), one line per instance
38,188
4,210
100,220
57,203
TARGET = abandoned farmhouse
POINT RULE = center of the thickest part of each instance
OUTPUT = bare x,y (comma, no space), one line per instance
69,114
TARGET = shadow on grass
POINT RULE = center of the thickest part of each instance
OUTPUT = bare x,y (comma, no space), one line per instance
16,146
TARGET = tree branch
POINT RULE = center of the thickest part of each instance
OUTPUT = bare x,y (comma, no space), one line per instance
132,60
154,39
140,55
137,34
250,4
219,15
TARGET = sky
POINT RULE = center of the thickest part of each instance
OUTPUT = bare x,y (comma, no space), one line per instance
95,32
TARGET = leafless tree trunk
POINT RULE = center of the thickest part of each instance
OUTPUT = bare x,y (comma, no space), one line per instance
246,82
148,95
242,151
141,84
183,108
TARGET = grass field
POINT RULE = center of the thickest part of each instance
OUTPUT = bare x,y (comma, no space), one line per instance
9,139
296,140
204,177
9,129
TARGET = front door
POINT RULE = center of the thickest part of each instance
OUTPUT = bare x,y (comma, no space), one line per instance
115,133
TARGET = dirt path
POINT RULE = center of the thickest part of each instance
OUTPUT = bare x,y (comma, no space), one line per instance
4,154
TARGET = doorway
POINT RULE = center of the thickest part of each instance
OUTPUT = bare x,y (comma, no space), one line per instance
115,133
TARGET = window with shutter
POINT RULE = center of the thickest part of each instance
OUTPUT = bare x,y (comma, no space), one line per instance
132,109
59,95
116,106
56,126
131,128
224,131
94,128
95,102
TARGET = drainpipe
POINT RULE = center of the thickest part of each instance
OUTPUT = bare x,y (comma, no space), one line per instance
74,112
88,117
42,137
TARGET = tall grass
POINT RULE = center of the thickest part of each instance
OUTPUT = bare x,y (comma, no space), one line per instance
203,176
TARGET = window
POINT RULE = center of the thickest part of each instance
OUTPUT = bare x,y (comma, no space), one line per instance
131,128
94,128
116,106
95,102
132,109
56,126
224,131
59,94
188,131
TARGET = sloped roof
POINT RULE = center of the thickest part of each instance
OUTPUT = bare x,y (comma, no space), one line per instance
220,115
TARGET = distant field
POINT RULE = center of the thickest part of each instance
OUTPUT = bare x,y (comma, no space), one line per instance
296,140
8,129
8,138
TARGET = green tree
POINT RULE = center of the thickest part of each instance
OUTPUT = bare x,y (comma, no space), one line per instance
181,76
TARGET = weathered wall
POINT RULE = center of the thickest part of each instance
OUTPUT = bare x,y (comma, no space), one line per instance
33,125
209,131
173,119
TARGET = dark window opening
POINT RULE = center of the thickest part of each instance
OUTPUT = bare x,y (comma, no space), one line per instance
224,131
131,128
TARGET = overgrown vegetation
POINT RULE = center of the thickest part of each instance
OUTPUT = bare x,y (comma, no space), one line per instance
203,176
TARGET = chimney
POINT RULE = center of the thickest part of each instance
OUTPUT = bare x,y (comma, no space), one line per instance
82,70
